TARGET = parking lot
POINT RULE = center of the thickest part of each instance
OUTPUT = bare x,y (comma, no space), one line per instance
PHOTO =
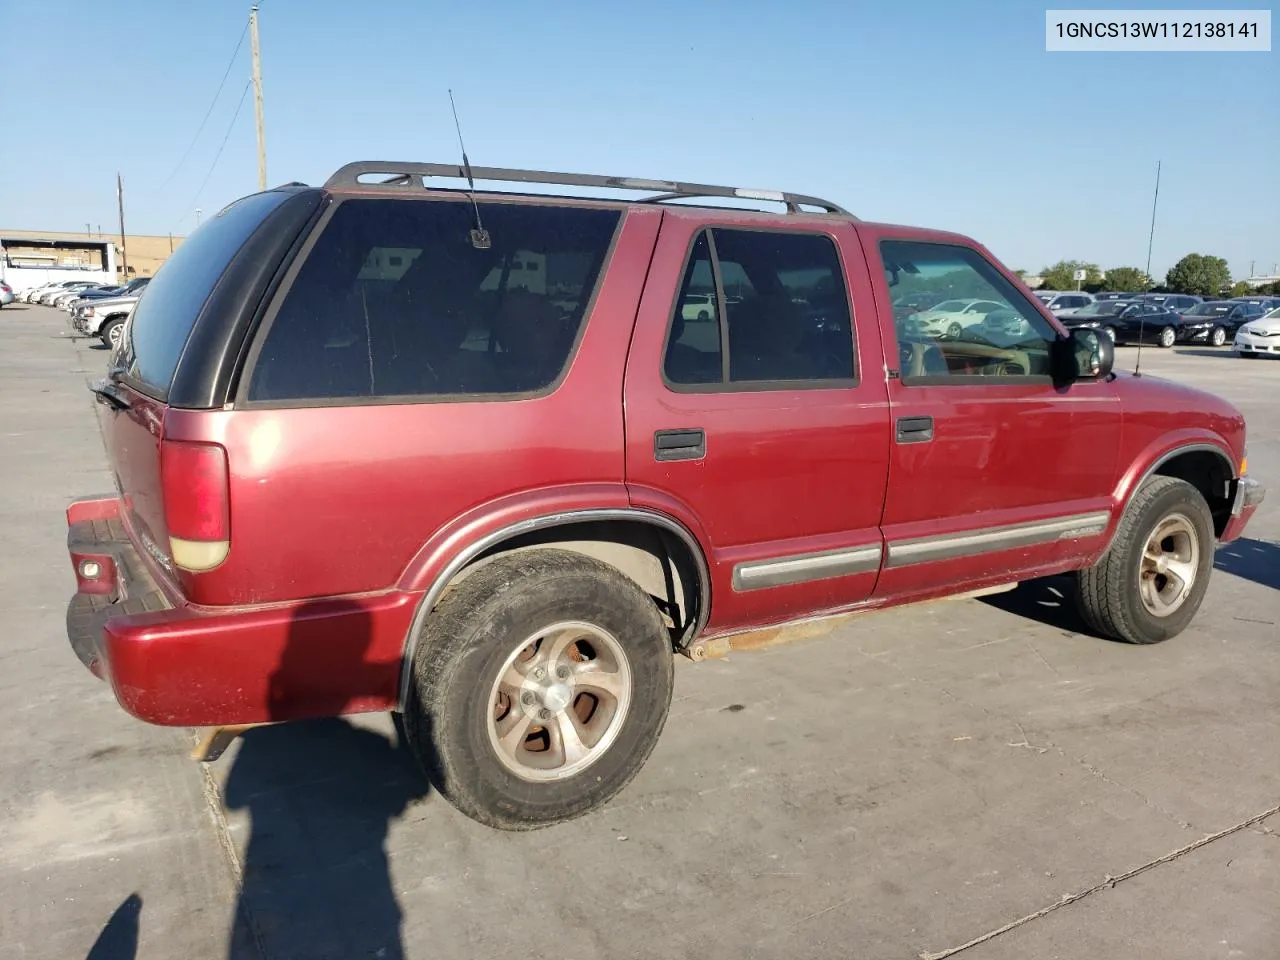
978,777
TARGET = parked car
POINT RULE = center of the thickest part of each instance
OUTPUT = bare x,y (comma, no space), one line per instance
362,467
698,306
72,286
35,293
6,294
61,300
1146,322
1260,337
1130,321
1101,315
1063,304
135,285
1114,295
104,319
952,317
1177,302
1216,321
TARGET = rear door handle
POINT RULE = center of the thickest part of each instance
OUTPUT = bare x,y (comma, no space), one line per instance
688,444
915,429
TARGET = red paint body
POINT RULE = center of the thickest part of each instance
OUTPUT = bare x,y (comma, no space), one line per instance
343,517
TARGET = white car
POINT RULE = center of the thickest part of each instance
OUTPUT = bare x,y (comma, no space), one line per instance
74,286
103,319
951,318
1261,337
35,293
699,306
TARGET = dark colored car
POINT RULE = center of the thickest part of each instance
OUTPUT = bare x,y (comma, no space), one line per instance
1130,321
126,290
384,446
1113,295
1215,321
1177,302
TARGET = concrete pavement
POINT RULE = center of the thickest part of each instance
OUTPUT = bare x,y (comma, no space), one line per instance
966,775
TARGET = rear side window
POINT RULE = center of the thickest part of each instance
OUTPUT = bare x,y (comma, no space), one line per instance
759,309
163,319
394,300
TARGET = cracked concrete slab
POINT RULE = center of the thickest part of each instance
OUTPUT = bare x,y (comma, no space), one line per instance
1217,902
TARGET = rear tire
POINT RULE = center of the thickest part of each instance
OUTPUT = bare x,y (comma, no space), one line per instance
1134,592
548,626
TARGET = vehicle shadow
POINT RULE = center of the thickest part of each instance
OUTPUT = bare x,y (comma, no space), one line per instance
119,938
1049,600
321,795
1255,560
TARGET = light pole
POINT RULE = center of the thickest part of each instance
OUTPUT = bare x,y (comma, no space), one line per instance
197,216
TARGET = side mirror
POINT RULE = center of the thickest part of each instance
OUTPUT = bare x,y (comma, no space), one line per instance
1084,355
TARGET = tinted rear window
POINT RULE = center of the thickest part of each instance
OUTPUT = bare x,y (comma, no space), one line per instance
394,300
174,297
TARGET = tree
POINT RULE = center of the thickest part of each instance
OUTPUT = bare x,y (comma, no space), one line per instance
1198,274
1270,289
1061,276
1128,279
1241,289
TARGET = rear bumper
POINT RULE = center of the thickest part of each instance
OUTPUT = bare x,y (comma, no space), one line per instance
176,664
1248,496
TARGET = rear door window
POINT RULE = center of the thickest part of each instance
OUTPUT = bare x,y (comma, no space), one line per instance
172,300
784,321
395,301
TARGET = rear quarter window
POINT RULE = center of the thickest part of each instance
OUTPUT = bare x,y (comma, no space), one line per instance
172,300
394,302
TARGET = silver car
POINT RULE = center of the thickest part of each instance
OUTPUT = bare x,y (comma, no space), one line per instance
1063,304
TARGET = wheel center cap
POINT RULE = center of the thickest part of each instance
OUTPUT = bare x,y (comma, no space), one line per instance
556,697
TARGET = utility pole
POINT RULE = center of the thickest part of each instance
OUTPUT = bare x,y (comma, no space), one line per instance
197,216
124,247
257,97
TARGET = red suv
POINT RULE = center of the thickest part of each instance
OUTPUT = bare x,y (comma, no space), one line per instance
471,457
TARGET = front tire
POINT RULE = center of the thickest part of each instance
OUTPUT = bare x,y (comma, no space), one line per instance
540,686
1151,581
1168,337
111,333
1218,336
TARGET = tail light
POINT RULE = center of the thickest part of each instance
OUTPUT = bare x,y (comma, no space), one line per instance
197,506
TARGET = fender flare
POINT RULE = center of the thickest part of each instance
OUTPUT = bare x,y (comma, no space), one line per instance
1126,490
480,545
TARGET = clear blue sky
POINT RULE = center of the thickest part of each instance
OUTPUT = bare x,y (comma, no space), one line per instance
938,113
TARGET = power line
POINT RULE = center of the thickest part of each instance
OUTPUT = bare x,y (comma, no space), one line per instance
217,156
208,113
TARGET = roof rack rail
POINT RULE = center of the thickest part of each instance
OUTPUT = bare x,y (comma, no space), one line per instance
405,174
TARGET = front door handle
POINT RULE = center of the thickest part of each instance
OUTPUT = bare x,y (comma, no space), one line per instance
915,429
689,444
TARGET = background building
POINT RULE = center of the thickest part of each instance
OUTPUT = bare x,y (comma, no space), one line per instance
27,254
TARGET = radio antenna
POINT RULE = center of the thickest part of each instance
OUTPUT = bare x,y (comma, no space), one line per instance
479,235
1142,324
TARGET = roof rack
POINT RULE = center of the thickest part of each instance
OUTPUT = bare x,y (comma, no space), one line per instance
410,175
